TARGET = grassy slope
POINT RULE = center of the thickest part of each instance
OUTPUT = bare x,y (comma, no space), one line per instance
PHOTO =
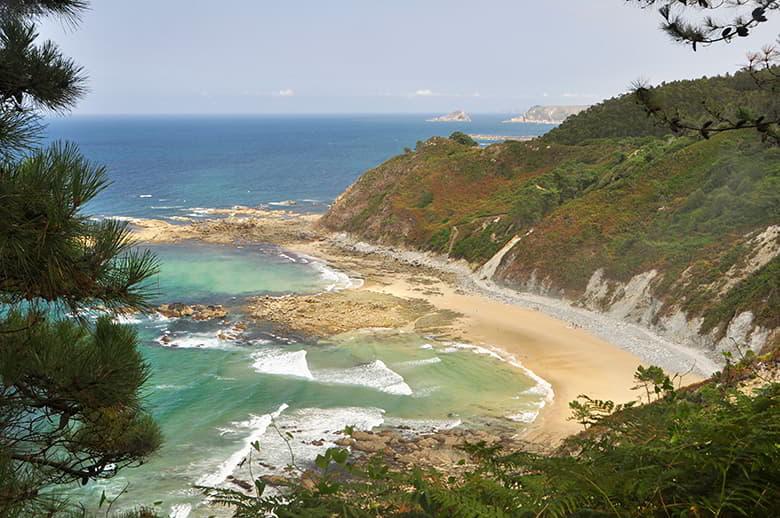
685,207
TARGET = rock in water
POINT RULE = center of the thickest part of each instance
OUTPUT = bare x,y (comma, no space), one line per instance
456,116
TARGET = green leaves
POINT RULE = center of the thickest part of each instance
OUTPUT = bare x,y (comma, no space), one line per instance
462,138
53,253
337,455
38,76
259,487
70,403
652,377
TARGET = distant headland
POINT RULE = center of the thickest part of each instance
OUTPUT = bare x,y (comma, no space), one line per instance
548,114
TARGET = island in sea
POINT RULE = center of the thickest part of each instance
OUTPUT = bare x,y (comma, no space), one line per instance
456,116
548,114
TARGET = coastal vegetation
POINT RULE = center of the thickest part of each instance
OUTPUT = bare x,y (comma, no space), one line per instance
623,116
70,406
592,196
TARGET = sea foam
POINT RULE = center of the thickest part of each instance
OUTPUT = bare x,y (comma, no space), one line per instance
334,279
313,430
258,425
284,363
195,341
375,375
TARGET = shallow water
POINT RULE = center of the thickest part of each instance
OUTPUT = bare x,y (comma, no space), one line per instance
213,397
200,272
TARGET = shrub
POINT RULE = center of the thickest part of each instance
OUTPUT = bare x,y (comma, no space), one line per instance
462,138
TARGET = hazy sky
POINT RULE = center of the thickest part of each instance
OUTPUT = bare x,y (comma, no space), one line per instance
311,56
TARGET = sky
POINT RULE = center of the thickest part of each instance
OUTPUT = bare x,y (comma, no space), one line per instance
374,56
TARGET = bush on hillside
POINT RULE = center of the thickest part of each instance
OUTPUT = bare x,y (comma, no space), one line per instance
462,138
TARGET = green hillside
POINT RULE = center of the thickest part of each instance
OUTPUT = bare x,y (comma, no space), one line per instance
691,209
622,117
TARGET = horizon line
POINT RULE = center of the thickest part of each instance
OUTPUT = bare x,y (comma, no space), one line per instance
251,114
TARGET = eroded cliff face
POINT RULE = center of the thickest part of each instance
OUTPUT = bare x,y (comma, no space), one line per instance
637,301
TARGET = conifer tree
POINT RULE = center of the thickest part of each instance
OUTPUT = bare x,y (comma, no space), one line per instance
700,23
70,403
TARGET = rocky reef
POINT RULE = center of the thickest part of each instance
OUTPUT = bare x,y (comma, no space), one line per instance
333,313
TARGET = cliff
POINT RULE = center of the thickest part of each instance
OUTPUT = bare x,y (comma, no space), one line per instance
679,234
548,114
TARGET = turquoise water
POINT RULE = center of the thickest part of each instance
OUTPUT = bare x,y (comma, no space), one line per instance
218,274
213,389
214,395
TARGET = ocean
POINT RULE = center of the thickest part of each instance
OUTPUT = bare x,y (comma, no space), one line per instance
214,390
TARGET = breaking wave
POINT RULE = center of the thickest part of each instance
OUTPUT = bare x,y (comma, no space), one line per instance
283,363
334,279
375,375
258,425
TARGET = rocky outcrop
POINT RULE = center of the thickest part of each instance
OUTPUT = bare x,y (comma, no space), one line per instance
333,313
236,225
637,301
194,311
440,449
634,302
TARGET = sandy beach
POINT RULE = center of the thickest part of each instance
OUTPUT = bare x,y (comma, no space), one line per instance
571,359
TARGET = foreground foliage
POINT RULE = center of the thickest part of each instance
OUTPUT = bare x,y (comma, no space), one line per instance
70,405
702,452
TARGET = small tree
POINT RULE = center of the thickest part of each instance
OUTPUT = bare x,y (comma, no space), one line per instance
462,138
70,409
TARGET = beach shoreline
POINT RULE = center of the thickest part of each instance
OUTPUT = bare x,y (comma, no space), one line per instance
548,344
569,359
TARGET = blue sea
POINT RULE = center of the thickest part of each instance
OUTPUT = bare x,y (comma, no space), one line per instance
217,387
161,166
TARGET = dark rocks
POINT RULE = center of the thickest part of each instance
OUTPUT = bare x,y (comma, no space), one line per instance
195,311
243,484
